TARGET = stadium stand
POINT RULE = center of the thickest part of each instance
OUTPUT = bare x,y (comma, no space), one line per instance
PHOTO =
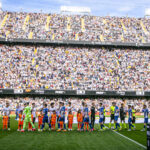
60,27
74,68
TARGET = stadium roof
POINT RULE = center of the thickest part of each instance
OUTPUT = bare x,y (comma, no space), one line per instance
73,9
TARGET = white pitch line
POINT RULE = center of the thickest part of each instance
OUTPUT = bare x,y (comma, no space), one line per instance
130,140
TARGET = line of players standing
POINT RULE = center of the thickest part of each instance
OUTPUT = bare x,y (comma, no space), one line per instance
84,118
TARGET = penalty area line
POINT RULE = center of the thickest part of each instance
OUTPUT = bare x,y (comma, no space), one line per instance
130,139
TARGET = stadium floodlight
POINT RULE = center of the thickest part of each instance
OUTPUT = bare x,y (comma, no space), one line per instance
72,9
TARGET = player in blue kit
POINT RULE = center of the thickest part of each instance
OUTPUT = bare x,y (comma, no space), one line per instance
146,113
130,115
116,116
101,116
86,119
45,117
61,116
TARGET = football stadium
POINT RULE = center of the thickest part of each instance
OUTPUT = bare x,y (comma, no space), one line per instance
74,77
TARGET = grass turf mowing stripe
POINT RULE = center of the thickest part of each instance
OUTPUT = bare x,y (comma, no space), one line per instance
130,139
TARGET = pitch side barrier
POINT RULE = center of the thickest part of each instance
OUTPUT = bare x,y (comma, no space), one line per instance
87,93
83,43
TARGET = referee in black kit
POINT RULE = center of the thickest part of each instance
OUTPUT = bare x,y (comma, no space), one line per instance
93,115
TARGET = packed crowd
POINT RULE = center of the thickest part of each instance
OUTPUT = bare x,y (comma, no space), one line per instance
74,68
73,27
76,102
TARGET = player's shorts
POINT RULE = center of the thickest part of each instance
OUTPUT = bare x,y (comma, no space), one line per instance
79,120
86,119
104,119
133,120
101,120
40,123
112,116
53,122
45,119
116,118
129,120
28,119
61,119
122,118
145,120
20,123
70,122
92,117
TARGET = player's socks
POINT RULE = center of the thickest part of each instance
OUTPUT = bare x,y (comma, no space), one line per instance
117,125
144,126
90,126
114,125
130,125
32,125
120,124
50,126
42,126
125,125
82,126
109,125
78,125
87,126
58,125
64,126
24,125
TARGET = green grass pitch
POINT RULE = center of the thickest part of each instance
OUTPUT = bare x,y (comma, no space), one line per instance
70,140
